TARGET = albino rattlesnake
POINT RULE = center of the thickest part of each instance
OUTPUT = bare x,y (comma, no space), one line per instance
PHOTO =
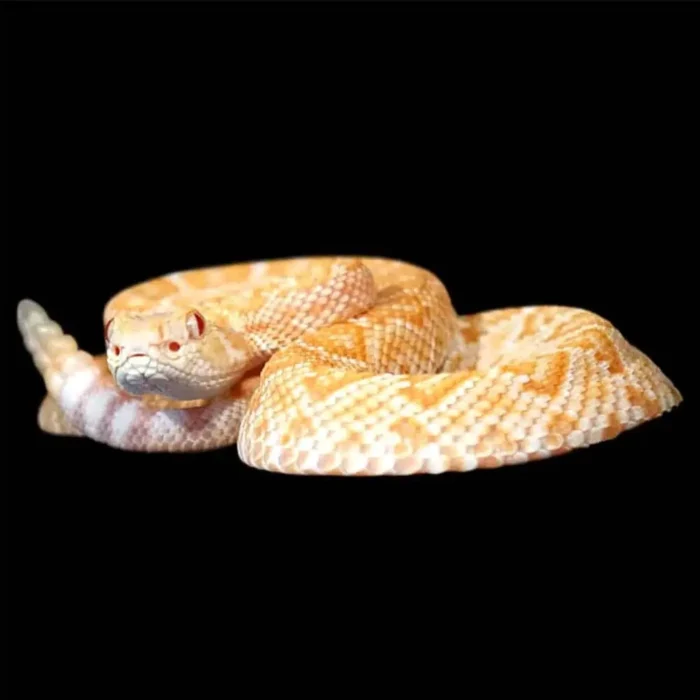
351,366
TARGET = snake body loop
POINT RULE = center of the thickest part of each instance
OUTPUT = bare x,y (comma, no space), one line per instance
341,366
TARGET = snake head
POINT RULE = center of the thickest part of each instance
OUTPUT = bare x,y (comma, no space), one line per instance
177,354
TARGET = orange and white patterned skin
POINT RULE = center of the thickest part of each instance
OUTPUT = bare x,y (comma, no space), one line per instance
341,366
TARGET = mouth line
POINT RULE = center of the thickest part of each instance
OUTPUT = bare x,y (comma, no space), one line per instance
140,388
136,379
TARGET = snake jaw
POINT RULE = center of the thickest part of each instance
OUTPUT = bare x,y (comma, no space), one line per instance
148,374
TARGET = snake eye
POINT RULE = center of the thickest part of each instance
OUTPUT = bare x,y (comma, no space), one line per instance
195,324
174,346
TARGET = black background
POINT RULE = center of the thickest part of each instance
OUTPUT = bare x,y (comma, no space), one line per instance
526,155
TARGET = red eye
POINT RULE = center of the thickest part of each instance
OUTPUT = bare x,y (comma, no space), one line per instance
195,324
174,346
116,350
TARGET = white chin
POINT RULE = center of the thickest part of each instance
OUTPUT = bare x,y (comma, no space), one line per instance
164,388
138,385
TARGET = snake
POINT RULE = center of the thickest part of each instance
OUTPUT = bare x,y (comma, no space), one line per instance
342,366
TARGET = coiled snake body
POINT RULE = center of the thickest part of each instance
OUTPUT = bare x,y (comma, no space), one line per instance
342,366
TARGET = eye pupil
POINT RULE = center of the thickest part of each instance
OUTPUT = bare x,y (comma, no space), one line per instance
195,324
200,323
116,350
174,346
